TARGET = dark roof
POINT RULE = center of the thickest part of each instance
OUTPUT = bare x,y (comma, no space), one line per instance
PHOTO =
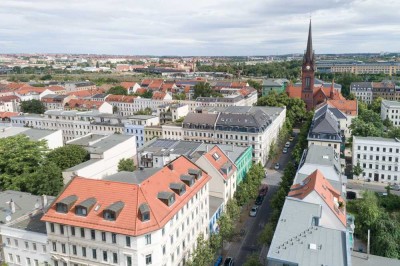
69,200
196,118
165,195
144,207
87,203
116,206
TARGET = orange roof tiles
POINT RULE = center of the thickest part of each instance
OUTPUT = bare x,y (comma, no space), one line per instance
156,84
14,86
348,107
141,91
9,98
132,195
85,93
238,84
157,95
221,160
128,85
7,114
318,183
56,88
28,89
81,103
293,92
120,98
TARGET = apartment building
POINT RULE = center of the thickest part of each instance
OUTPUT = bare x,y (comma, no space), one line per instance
244,126
362,91
325,130
105,153
10,103
369,91
391,110
55,101
356,67
23,235
122,104
53,138
378,157
147,217
80,86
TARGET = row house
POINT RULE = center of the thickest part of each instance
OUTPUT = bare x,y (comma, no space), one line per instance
147,217
80,86
122,104
257,127
131,87
10,103
56,101
87,105
391,110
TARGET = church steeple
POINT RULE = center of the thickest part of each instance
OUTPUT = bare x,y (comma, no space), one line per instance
309,55
307,73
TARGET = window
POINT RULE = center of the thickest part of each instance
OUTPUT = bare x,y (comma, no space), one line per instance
163,231
115,258
148,239
73,230
94,253
16,242
104,255
83,251
81,211
93,234
74,249
26,245
10,257
8,241
114,238
34,246
82,232
103,236
44,248
148,259
128,241
52,227
163,249
128,261
28,261
61,229
54,246
63,248
18,259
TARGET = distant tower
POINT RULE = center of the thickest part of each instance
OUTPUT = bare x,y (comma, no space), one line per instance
307,73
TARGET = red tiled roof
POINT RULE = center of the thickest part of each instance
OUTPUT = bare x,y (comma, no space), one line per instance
56,88
293,92
238,84
141,91
81,103
120,98
157,95
128,85
7,114
216,152
28,89
155,84
85,93
132,195
318,183
9,98
14,86
348,107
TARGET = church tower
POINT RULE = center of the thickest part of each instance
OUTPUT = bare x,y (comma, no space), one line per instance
307,73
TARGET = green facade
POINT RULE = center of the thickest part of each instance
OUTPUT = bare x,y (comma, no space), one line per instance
243,164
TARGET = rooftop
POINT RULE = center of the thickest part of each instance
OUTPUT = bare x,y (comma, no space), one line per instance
32,223
98,144
376,139
32,133
390,103
135,177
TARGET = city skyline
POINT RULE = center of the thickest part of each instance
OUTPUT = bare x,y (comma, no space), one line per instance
206,28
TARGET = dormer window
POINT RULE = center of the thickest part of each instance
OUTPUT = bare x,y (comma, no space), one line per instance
111,212
178,188
144,212
167,197
85,206
196,173
64,205
188,180
216,156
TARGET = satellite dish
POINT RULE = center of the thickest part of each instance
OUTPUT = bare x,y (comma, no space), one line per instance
37,205
8,218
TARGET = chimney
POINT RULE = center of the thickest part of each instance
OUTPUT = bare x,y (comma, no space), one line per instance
44,201
171,166
12,206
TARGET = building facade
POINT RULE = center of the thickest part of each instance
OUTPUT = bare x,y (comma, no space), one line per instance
391,110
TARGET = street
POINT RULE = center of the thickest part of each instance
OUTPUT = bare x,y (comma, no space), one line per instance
359,186
248,244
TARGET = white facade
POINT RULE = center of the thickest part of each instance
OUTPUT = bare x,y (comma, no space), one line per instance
362,91
172,132
378,157
391,110
23,247
103,161
9,106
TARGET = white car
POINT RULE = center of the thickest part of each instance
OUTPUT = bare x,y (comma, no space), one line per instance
285,150
253,211
277,165
287,145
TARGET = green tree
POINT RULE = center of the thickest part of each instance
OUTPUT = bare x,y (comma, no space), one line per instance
357,170
32,106
117,90
126,165
226,227
146,111
253,260
46,180
267,234
46,77
68,156
376,105
203,254
233,209
255,84
203,89
273,151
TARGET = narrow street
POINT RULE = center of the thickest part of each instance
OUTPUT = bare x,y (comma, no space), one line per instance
248,244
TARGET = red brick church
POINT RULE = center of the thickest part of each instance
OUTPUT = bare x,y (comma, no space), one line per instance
311,90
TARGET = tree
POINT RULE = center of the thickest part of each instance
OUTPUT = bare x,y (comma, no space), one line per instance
253,260
68,156
146,111
226,227
203,89
117,90
203,254
357,170
232,209
273,151
256,85
376,105
46,77
126,165
46,180
267,234
33,106
97,64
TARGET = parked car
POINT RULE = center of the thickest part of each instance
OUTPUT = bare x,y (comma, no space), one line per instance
277,165
218,262
291,139
263,190
287,145
253,211
228,261
259,200
395,187
285,150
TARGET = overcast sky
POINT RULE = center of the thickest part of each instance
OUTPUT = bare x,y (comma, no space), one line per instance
198,27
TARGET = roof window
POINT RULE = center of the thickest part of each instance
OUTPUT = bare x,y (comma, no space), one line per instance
111,212
64,205
83,208
167,197
144,212
178,188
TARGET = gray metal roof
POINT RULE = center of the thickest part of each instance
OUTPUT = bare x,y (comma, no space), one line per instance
391,103
86,140
32,133
361,259
88,203
322,155
232,151
32,223
98,144
199,119
165,147
297,241
24,203
375,139
144,207
135,177
116,206
165,195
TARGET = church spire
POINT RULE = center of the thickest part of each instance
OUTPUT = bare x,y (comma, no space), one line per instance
309,55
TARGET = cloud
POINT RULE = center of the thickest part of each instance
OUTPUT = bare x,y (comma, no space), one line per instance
176,27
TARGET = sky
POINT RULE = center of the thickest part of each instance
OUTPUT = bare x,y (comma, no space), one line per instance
198,27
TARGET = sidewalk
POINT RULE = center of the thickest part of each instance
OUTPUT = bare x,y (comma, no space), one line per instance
362,182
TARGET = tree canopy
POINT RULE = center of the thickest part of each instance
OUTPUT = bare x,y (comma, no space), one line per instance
32,106
68,156
117,90
203,89
126,165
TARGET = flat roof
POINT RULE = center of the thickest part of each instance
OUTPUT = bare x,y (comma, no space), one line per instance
99,143
361,259
375,139
32,133
322,155
135,177
214,204
32,223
